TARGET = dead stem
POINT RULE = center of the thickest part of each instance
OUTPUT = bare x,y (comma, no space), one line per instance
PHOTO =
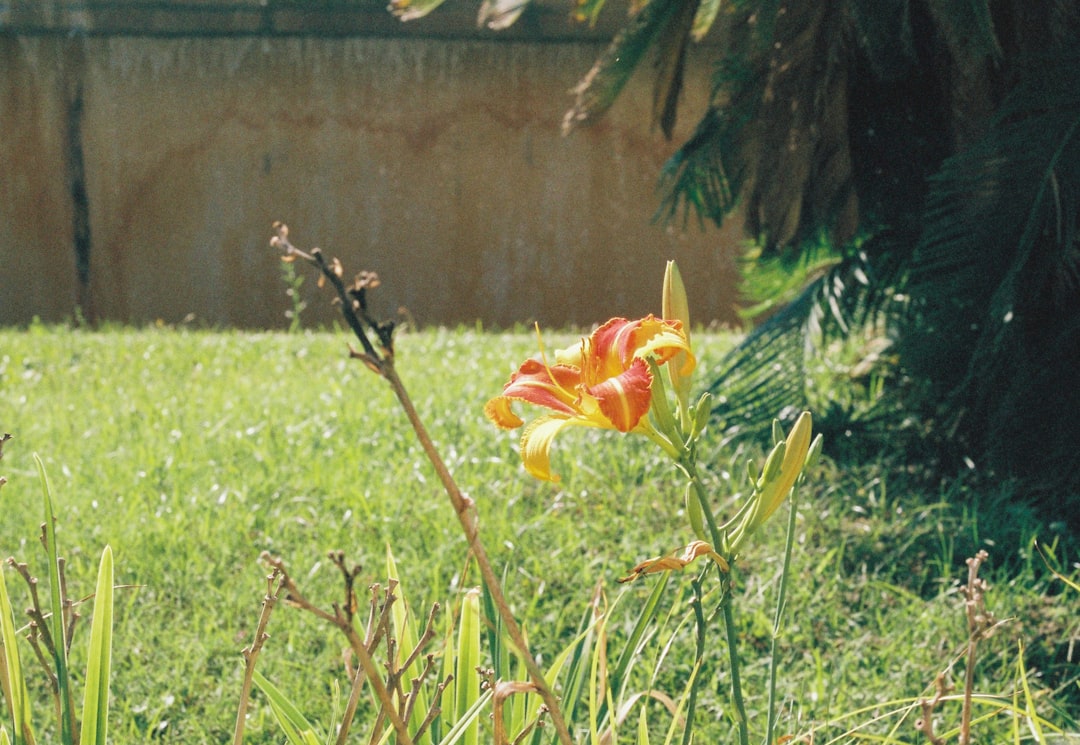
342,619
251,653
980,624
354,308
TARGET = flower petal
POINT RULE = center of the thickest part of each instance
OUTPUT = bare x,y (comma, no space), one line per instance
616,344
664,339
498,410
611,349
536,443
572,355
551,387
625,398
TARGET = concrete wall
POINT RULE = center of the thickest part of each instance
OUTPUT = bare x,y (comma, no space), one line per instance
437,163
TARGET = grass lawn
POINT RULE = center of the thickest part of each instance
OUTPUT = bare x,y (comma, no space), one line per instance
191,452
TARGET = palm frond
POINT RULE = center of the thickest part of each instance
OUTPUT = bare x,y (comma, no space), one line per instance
699,178
500,14
597,91
995,277
845,294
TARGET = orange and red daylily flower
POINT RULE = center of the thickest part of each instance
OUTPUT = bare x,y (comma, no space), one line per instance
604,381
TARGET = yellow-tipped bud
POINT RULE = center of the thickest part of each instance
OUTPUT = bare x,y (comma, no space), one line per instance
695,513
783,467
675,307
777,431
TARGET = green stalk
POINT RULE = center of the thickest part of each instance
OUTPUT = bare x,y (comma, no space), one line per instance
59,633
733,655
12,682
699,652
95,719
688,464
781,599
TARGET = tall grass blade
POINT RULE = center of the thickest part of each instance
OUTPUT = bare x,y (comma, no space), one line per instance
501,655
408,638
59,638
1029,700
470,718
294,725
95,717
467,682
632,648
580,655
676,721
14,684
598,688
642,727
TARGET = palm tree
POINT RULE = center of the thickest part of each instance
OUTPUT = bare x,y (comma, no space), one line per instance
917,162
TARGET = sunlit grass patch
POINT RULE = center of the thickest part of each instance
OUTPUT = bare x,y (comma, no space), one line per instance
190,452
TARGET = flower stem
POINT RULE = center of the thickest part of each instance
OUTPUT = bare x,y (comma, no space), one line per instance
699,656
733,656
688,464
781,599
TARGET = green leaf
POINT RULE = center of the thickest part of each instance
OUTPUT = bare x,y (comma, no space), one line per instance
470,717
597,91
703,21
642,727
295,726
410,10
500,14
95,718
467,682
14,687
632,647
407,638
67,709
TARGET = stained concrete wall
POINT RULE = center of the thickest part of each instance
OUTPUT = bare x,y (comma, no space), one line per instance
437,163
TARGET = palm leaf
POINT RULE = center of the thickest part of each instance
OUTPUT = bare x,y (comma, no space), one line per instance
597,91
996,279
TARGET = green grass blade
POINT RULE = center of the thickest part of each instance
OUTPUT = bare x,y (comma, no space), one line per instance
470,718
642,727
1029,700
676,723
294,725
95,717
467,682
14,684
59,651
597,680
501,655
632,649
577,674
407,637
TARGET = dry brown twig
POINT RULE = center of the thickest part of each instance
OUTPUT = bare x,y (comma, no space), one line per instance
3,438
353,303
251,652
925,724
396,705
981,625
